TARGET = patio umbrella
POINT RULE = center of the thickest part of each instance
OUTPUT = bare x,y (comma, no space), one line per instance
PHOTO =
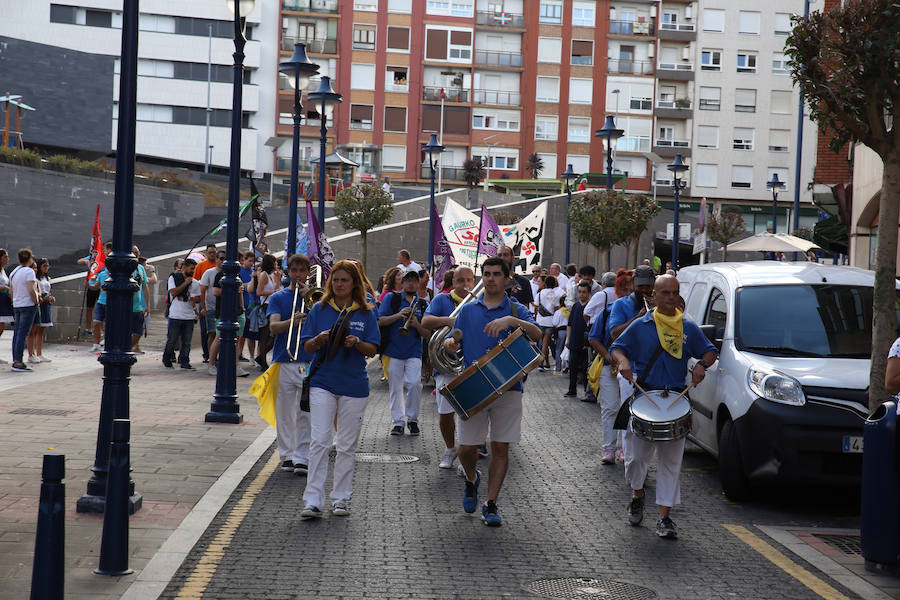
772,242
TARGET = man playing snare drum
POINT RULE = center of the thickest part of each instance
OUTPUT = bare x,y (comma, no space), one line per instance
483,323
636,349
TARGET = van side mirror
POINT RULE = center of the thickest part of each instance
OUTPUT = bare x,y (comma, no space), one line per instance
710,332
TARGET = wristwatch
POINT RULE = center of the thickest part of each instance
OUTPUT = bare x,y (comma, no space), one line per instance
702,364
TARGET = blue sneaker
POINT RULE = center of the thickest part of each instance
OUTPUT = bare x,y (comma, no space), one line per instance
470,495
489,514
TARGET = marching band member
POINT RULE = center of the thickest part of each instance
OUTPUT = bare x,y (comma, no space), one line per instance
291,424
437,316
339,384
483,323
656,347
405,352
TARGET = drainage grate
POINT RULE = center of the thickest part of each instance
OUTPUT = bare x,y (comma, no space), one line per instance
375,457
50,412
846,543
588,588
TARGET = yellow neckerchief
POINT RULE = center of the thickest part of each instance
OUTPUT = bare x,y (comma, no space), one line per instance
353,306
565,312
670,331
456,299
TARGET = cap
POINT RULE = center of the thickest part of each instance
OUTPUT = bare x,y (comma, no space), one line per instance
644,275
410,274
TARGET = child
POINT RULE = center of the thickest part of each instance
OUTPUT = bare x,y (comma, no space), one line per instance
45,318
560,321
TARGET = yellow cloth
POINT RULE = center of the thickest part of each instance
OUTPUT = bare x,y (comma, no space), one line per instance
265,389
565,312
593,374
353,306
456,299
670,331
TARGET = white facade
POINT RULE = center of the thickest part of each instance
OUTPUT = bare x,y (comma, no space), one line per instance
172,86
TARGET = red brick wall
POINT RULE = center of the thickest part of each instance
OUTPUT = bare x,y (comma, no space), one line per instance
831,167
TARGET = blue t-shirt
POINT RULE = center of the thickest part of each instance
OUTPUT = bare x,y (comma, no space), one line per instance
640,340
246,275
137,300
100,277
280,303
401,346
472,319
622,311
441,306
345,374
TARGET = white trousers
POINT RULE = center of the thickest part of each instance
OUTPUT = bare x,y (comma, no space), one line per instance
291,423
610,401
626,389
323,407
639,453
405,386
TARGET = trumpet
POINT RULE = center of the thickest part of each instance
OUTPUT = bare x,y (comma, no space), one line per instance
306,302
441,360
413,308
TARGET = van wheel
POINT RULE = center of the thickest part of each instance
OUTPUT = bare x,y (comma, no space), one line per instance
731,471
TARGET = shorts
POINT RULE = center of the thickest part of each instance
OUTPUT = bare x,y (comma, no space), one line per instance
443,405
549,329
241,323
90,297
99,312
210,321
247,334
137,323
504,416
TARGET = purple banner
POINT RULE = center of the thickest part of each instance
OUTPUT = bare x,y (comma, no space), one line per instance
489,238
320,252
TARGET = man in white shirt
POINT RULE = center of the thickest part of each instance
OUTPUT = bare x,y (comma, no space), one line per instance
208,302
602,300
536,271
185,293
23,286
406,263
561,279
585,273
386,186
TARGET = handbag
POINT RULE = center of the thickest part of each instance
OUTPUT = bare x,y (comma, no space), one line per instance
257,318
542,310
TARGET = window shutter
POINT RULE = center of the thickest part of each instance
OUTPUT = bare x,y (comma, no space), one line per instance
436,44
394,118
398,38
461,38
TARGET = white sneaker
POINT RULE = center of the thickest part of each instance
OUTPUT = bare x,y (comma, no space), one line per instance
448,458
44,358
34,359
95,348
310,512
340,509
460,470
242,372
212,369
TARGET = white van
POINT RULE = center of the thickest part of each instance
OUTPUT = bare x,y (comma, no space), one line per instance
788,397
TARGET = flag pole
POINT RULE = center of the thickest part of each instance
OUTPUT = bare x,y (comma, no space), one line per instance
478,241
243,212
441,141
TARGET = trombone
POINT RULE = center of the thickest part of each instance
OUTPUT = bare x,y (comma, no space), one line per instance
313,295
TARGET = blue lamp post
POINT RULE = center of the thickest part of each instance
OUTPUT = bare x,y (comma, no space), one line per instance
431,147
568,175
325,99
610,134
677,167
298,70
775,184
225,407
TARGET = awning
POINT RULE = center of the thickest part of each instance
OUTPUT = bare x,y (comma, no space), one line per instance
335,159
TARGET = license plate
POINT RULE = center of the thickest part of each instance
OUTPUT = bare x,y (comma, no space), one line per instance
853,443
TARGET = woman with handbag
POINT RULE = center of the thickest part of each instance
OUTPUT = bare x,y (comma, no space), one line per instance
546,302
342,331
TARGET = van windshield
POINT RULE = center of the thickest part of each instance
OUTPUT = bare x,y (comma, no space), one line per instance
805,320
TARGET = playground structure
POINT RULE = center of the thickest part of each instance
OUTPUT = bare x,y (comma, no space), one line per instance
13,138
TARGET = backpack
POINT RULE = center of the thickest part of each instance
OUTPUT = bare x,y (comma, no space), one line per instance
396,300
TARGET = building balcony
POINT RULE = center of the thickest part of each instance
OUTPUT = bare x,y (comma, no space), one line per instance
491,58
624,66
313,45
311,6
674,109
680,71
451,173
504,20
498,97
630,28
678,32
669,147
433,93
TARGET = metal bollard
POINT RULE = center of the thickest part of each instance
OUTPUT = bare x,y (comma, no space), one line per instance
114,543
48,570
880,522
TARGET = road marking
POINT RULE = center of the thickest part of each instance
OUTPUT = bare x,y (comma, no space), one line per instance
785,564
195,586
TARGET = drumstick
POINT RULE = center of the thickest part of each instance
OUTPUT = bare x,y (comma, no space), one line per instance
685,391
646,395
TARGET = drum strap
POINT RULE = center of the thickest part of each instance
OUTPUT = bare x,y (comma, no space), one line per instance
624,410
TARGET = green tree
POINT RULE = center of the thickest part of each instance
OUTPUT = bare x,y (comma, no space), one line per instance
845,62
725,227
596,219
363,207
535,165
473,173
637,211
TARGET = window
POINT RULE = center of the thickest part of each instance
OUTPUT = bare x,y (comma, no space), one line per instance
545,127
779,64
461,46
453,8
394,118
741,176
551,11
710,98
634,167
367,5
779,140
550,170
401,6
62,14
666,132
457,119
742,138
582,52
640,102
363,37
393,158
711,60
362,76
717,313
97,18
155,112
396,80
547,89
398,38
360,116
744,100
581,163
583,14
782,177
713,19
707,136
748,22
705,175
579,129
580,91
746,62
504,162
436,43
782,23
781,102
549,50
504,120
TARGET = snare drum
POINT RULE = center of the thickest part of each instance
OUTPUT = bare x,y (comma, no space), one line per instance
488,377
659,422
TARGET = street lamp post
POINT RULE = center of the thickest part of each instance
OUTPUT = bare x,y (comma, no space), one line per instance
610,134
225,407
568,175
298,70
431,147
325,99
775,184
677,167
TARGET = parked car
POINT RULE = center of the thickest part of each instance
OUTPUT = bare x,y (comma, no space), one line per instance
788,397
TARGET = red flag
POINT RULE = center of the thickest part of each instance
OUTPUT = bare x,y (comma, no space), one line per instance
97,253
442,94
